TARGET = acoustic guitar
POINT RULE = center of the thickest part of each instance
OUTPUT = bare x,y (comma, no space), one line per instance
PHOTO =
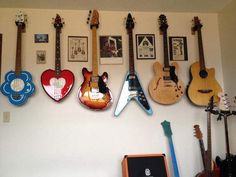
227,165
18,85
165,88
203,84
132,89
57,83
210,169
94,93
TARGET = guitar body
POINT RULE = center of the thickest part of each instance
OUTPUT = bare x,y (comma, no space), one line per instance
57,86
93,92
132,90
215,173
227,166
18,88
165,88
200,89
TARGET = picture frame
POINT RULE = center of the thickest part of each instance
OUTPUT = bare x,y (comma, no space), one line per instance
178,48
41,56
41,38
145,46
111,51
77,48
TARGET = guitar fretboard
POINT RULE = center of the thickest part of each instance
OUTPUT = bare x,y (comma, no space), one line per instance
18,50
209,153
58,53
131,53
94,51
201,52
166,56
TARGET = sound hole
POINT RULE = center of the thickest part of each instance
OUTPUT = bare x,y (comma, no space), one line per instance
203,73
17,85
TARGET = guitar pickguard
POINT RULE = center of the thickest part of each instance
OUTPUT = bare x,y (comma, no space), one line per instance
18,88
132,90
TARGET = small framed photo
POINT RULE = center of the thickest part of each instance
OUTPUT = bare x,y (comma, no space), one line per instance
77,48
41,38
41,56
111,51
178,48
145,46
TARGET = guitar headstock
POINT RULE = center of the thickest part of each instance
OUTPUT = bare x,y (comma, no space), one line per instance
21,19
196,24
58,22
94,21
129,22
163,23
198,132
167,128
224,104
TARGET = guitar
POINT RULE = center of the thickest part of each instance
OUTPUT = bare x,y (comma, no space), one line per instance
132,89
94,93
210,170
198,135
203,84
18,85
168,132
57,83
228,165
165,88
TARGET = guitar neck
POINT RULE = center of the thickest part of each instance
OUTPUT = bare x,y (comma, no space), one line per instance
209,152
166,56
94,51
58,53
226,137
201,52
18,51
131,53
203,151
174,161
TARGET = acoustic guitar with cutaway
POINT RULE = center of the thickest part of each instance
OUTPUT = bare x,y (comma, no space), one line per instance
94,93
165,88
202,85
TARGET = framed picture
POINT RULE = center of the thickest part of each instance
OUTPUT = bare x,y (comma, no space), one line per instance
41,38
178,48
40,56
78,48
111,51
145,46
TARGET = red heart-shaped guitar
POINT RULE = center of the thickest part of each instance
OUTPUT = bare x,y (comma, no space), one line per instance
57,83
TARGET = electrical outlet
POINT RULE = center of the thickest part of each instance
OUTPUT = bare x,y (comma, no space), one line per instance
6,117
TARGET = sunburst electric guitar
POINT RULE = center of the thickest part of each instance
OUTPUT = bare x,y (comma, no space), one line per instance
132,89
165,88
94,93
203,84
57,83
18,84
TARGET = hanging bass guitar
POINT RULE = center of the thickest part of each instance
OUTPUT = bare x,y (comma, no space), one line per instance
18,84
57,83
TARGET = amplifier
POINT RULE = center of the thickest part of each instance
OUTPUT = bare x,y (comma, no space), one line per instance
145,165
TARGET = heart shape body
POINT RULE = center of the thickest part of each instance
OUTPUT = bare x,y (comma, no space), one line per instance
57,86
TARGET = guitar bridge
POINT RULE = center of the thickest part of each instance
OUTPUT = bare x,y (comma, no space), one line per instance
205,90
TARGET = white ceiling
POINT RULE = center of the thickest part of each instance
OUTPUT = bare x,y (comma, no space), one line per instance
209,6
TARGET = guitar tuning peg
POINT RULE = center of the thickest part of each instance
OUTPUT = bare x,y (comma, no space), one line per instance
89,15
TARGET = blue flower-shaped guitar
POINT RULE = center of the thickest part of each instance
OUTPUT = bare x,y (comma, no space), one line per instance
18,84
18,88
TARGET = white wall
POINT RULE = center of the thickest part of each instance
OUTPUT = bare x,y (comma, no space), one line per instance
48,139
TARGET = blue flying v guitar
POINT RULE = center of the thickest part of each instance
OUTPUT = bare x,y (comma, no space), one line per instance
132,89
18,84
168,133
